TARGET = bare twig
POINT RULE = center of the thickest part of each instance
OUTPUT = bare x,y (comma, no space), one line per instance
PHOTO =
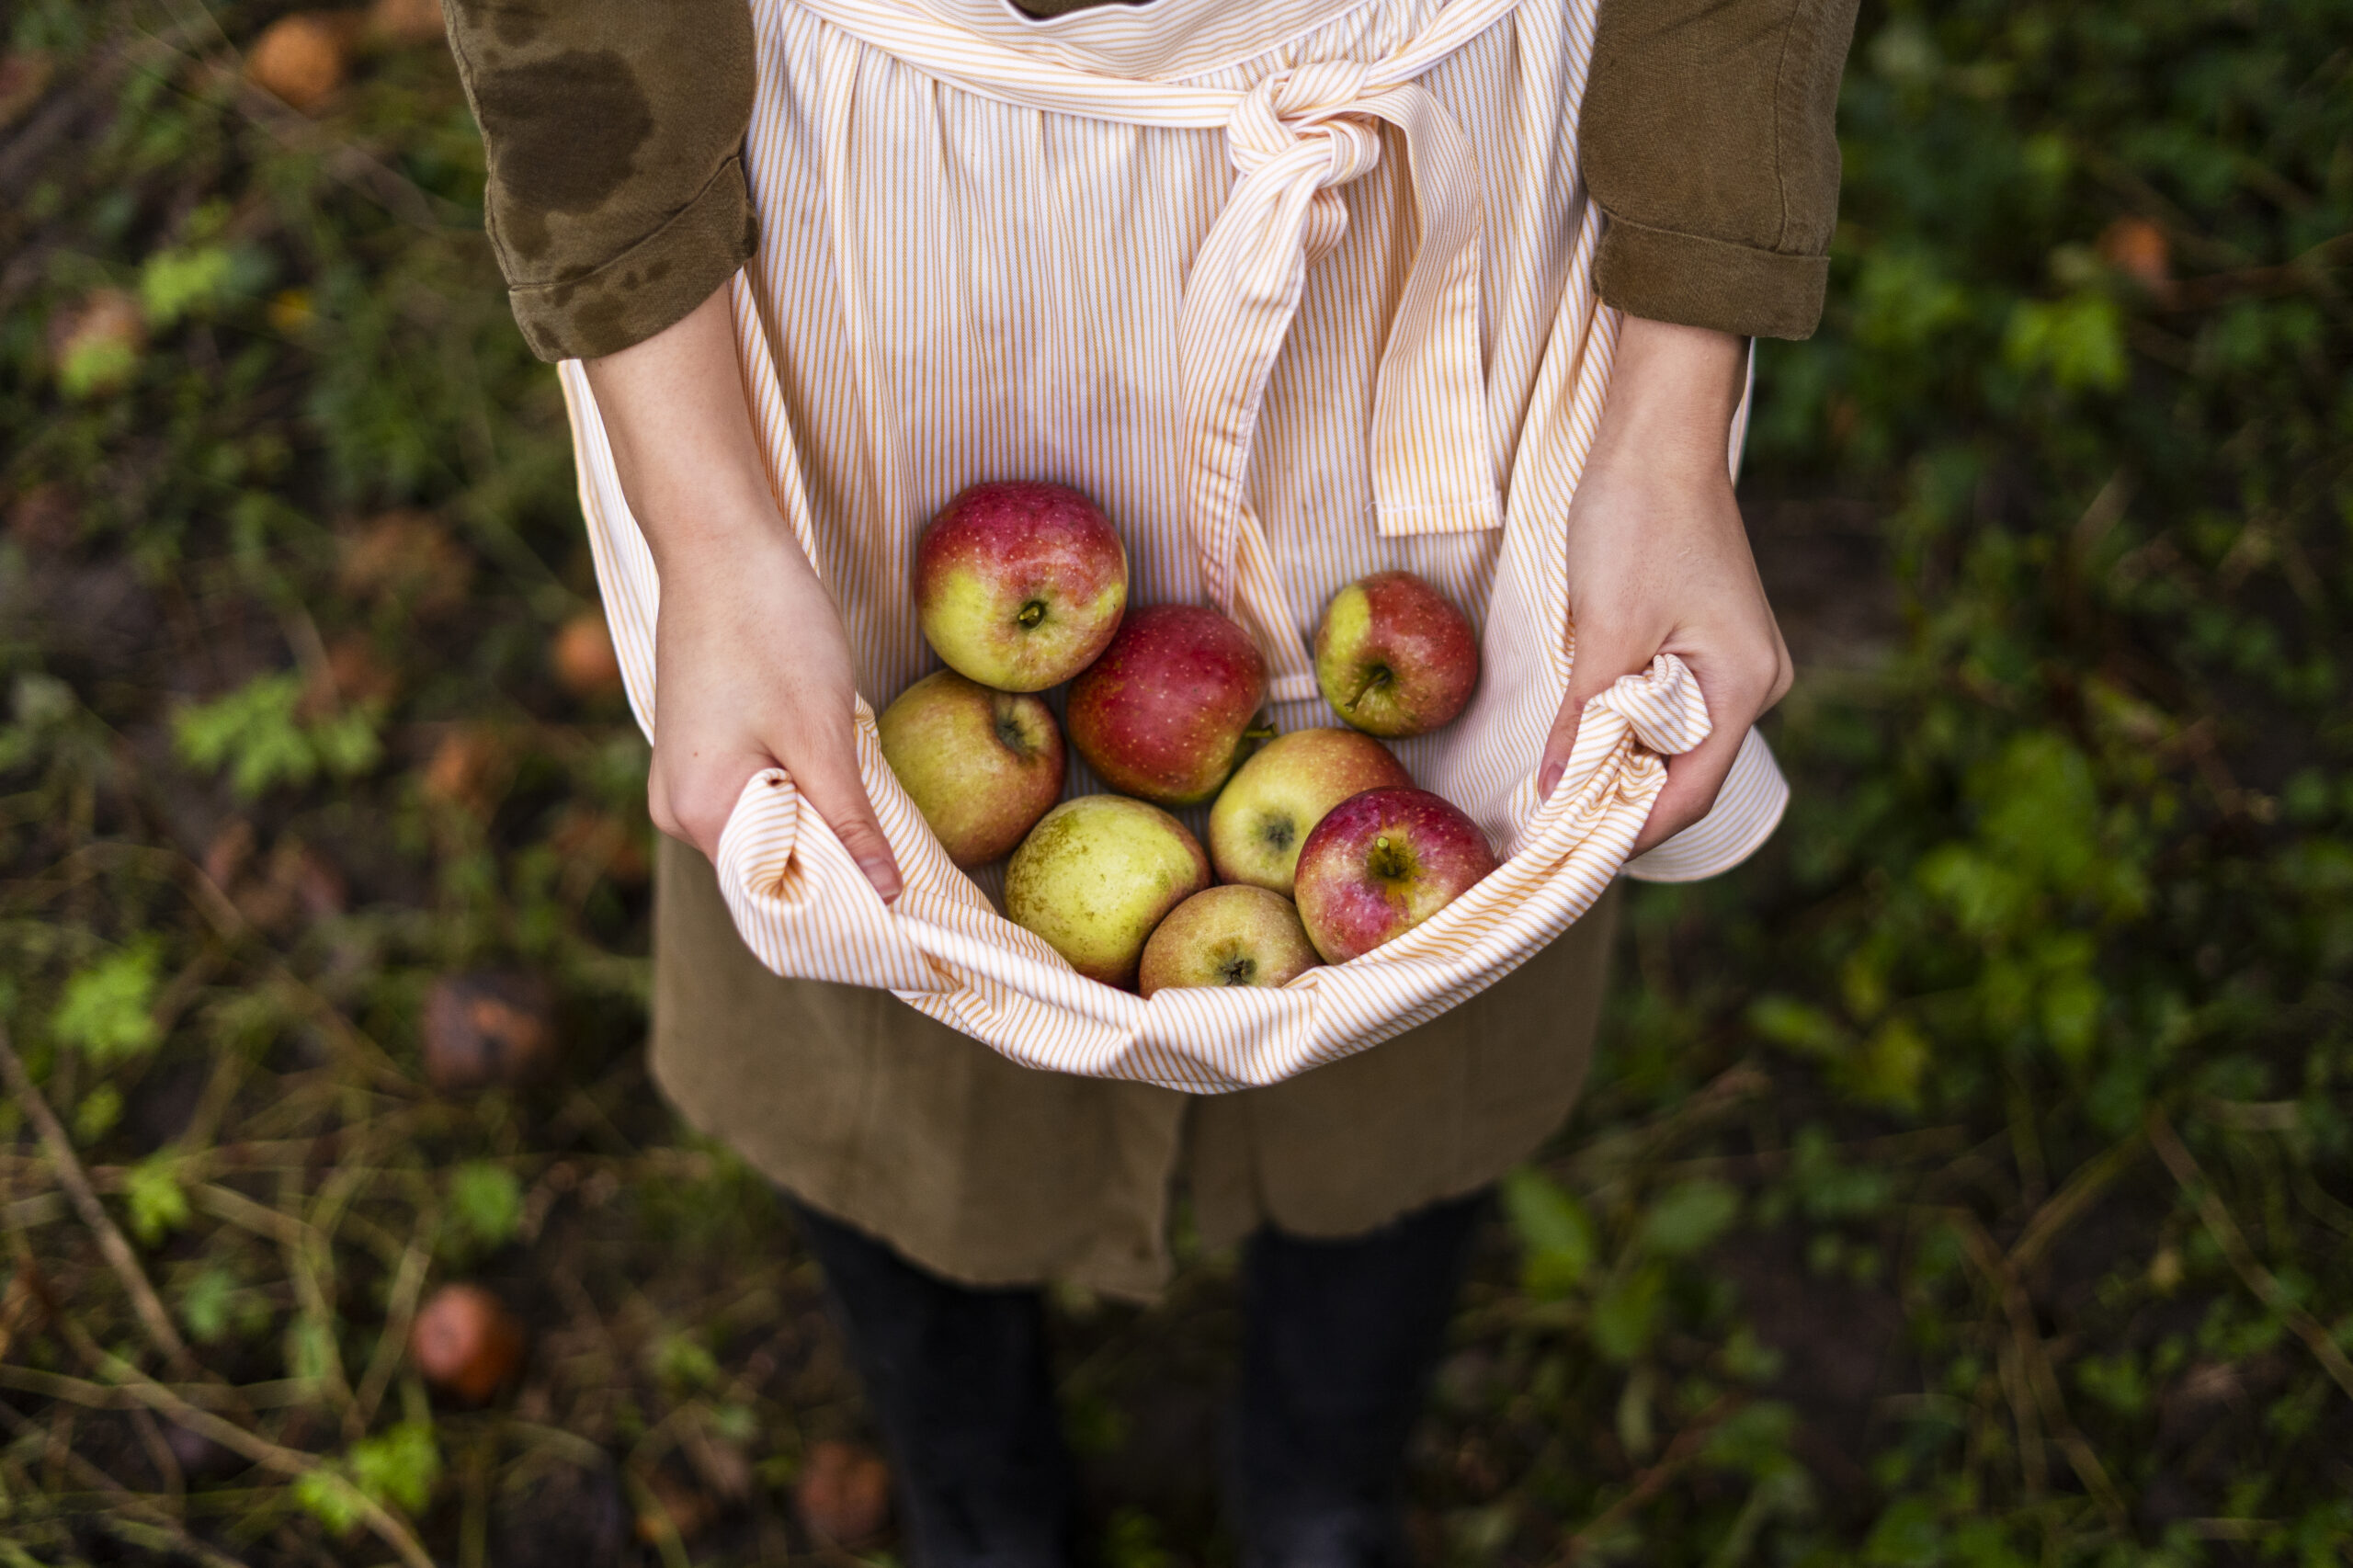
146,1390
117,1251
122,1497
1686,1447
400,1314
2033,1370
2076,1195
2232,1241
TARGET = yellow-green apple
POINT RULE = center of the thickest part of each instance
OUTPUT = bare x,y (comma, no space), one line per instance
981,766
1394,657
1019,585
1273,801
1228,936
1095,875
1164,713
1379,864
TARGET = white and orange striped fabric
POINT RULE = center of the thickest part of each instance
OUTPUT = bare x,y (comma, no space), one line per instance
1297,290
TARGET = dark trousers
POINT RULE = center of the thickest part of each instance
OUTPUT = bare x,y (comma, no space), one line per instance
1340,1340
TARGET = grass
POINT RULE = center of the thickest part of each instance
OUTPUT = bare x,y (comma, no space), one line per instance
1967,1181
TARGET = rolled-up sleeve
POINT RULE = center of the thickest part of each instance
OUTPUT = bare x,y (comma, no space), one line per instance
614,134
1708,137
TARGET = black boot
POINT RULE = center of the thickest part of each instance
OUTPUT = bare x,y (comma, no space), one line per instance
958,1378
1341,1339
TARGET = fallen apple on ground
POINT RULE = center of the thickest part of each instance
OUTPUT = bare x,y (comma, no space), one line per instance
1394,657
1163,715
1019,585
465,1342
1273,801
1227,936
1096,875
981,766
1379,864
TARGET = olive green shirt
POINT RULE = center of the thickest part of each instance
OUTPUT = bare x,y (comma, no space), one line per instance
617,200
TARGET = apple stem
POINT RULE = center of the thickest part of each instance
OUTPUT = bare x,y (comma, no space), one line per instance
1031,614
1379,677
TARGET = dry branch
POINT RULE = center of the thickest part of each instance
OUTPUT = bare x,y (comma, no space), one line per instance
2232,1241
117,1251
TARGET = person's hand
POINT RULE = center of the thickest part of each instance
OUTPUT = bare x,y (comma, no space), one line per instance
1659,559
752,670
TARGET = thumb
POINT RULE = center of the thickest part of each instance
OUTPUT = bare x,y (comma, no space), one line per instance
827,779
1598,656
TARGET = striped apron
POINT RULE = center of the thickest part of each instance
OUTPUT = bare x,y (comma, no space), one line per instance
1298,289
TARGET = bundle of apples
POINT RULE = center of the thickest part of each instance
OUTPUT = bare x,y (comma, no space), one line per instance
1020,586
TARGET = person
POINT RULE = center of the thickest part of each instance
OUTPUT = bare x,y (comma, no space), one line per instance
940,1184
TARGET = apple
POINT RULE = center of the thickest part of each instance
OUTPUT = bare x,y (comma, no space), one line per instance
1383,862
465,1342
1095,875
1228,936
487,1029
1165,712
1394,657
981,766
1019,585
1273,801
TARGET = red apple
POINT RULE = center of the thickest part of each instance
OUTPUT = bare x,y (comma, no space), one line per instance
465,1342
1019,585
1273,801
1229,935
1379,864
1096,875
981,766
1394,657
1163,714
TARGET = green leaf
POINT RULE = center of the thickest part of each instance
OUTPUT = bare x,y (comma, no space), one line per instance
174,283
1555,1234
486,1203
1686,1217
97,1113
1887,1070
329,1498
2077,342
398,1466
1625,1317
257,734
1799,1026
1908,1535
157,1204
683,1361
105,1010
206,1304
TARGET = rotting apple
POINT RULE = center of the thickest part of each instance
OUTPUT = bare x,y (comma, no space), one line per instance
1019,585
465,1342
1383,862
981,766
1166,713
1394,657
1096,875
1273,801
1227,936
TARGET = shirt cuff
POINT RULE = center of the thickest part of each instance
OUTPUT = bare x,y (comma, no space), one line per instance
1690,281
653,284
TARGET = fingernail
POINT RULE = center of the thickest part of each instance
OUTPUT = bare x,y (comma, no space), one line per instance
1550,777
884,875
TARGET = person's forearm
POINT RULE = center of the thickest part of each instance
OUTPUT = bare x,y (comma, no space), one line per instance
681,433
1672,390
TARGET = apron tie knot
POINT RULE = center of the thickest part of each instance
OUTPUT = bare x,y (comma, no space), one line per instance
1300,125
